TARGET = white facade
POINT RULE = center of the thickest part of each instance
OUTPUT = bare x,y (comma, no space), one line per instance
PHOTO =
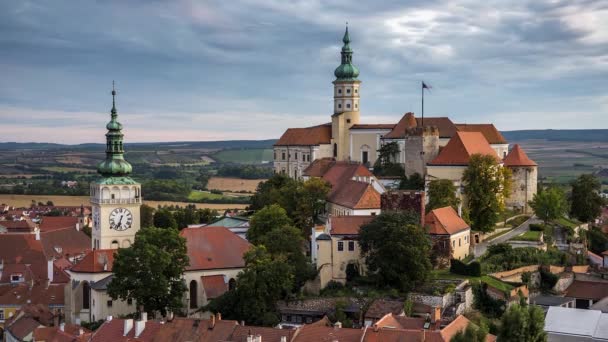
115,211
346,96
293,160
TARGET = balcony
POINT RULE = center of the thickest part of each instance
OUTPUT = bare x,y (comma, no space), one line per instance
137,200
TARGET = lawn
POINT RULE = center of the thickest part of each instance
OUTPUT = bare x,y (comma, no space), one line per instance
569,223
446,274
528,236
252,156
203,195
502,286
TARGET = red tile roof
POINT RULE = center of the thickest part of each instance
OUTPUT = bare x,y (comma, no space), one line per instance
50,223
214,248
96,261
446,127
71,333
373,126
348,225
319,167
322,331
492,135
445,221
315,135
38,294
20,226
461,147
214,285
407,121
22,327
268,334
24,249
65,243
200,330
380,307
114,331
355,195
517,157
587,290
342,171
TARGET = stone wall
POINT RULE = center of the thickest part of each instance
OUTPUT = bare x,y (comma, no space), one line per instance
523,187
564,281
421,146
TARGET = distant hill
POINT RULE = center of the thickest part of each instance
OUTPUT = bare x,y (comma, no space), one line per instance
226,144
597,135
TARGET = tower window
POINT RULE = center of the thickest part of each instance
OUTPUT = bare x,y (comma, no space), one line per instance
339,105
347,120
355,105
348,91
355,91
283,156
348,105
339,91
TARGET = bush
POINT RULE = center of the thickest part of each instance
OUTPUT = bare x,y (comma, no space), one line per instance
334,285
537,227
547,279
352,272
459,267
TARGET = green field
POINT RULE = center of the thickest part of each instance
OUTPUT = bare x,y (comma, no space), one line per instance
254,156
497,284
528,236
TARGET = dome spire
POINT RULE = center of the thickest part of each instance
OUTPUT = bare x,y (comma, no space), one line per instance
346,71
115,163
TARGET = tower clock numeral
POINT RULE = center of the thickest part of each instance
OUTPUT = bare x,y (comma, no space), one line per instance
121,219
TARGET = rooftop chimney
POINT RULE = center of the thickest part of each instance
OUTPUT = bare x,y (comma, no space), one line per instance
109,318
283,338
49,270
436,316
37,232
212,322
139,327
62,326
219,316
338,325
144,316
128,325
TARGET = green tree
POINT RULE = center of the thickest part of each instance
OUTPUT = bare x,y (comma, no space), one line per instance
549,204
265,220
586,202
597,241
163,218
442,193
150,271
472,333
385,165
271,191
414,182
146,214
486,185
310,202
523,323
263,282
396,249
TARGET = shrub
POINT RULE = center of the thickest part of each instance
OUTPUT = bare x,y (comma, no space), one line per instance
459,267
537,227
352,272
547,279
334,285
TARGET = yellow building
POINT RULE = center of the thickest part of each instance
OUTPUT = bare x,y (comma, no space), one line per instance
443,224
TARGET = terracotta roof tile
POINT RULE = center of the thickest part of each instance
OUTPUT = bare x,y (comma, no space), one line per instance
342,171
200,330
20,226
315,135
214,248
71,333
268,334
445,221
319,167
446,127
24,249
97,261
517,157
380,307
407,121
492,135
114,331
321,332
65,243
587,290
461,147
373,126
50,223
214,285
348,225
38,294
22,327
355,195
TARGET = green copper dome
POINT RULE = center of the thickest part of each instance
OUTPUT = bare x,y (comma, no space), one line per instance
346,71
115,164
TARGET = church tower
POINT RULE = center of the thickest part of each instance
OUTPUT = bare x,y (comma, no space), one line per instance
115,197
346,101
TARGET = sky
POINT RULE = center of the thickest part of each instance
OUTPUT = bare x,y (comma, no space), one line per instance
189,70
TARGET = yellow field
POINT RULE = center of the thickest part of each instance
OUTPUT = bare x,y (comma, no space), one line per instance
26,200
233,184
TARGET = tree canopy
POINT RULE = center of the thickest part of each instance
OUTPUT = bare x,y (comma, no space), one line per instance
386,165
413,182
523,323
397,250
472,333
586,202
265,220
549,204
264,281
442,193
486,185
163,218
150,271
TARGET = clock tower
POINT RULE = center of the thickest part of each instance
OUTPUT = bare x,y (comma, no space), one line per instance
115,197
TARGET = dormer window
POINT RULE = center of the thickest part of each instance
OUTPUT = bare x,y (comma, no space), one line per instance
16,278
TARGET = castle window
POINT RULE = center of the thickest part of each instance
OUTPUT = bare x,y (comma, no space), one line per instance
335,150
193,294
339,91
86,296
114,244
364,157
283,156
459,240
296,155
351,245
347,120
355,105
348,91
340,246
355,90
109,303
348,105
339,105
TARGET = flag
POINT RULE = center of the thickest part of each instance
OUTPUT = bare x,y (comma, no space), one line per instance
424,86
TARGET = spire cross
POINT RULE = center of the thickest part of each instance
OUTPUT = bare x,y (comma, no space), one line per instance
113,100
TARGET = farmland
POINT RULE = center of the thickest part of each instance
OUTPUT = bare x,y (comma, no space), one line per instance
26,200
233,184
245,156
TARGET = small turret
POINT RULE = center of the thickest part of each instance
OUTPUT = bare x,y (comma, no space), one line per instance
115,163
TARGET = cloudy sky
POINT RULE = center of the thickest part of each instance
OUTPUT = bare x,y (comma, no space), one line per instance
214,70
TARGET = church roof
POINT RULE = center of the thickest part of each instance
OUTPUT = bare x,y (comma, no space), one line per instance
96,261
461,147
445,221
214,285
309,136
492,135
214,248
517,157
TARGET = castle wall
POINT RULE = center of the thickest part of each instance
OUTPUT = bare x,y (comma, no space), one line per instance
524,186
365,140
420,147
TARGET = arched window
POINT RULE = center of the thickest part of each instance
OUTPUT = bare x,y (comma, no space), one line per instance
126,243
335,150
114,244
86,296
231,284
193,295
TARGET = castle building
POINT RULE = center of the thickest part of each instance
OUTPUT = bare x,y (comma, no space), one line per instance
525,174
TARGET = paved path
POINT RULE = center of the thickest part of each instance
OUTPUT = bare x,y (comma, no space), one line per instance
481,248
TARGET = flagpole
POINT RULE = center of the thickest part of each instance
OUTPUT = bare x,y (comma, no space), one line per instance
422,89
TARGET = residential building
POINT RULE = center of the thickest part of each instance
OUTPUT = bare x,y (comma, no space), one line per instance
568,324
446,227
587,293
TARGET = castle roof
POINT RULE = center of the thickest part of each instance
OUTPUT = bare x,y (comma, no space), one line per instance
214,248
492,135
446,127
517,157
349,225
308,136
445,221
461,147
355,195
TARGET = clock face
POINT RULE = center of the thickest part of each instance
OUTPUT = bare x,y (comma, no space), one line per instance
120,219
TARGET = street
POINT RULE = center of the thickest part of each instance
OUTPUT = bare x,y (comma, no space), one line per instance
482,247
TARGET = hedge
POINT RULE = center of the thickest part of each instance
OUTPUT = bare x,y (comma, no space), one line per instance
537,227
459,267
